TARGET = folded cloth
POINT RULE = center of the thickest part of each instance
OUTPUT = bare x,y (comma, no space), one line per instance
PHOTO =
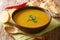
22,37
54,24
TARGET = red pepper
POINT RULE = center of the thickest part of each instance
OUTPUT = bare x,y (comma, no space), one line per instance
17,6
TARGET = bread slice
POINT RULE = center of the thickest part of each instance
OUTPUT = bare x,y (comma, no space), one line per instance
50,5
33,3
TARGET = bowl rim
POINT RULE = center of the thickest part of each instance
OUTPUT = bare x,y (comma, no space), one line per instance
31,7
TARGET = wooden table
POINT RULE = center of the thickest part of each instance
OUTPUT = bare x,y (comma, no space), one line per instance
3,34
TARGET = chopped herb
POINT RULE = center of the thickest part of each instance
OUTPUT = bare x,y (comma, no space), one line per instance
31,18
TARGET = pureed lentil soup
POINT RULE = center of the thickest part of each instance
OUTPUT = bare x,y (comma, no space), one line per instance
31,18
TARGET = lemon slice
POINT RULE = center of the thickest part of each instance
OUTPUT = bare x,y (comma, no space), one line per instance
11,11
4,17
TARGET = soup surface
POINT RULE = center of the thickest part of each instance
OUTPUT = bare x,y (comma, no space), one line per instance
31,18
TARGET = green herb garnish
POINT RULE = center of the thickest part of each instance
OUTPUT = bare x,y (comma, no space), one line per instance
32,18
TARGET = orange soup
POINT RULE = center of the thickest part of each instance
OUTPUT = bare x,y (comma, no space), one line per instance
31,18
